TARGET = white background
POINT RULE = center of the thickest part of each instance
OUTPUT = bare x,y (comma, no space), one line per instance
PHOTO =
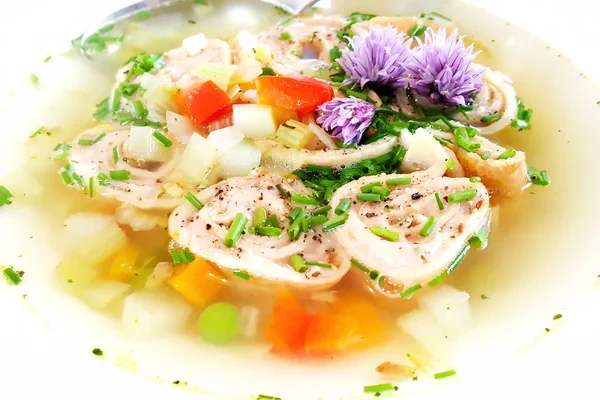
46,367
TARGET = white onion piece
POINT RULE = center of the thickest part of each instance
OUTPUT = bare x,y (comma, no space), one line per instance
250,96
180,127
450,307
226,138
239,160
196,162
256,121
322,135
249,321
221,123
161,273
104,294
194,44
143,146
422,326
152,314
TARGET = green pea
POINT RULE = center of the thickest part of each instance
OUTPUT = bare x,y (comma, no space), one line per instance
219,323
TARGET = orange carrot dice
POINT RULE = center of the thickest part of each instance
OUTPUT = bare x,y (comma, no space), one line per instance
199,282
286,329
293,93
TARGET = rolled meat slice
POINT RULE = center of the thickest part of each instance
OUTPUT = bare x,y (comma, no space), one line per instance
265,258
425,240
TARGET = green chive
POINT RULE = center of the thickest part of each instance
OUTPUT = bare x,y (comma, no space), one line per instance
491,117
266,71
142,15
383,387
461,256
428,227
383,191
486,155
436,281
450,163
115,102
282,192
37,133
522,121
119,175
5,196
298,263
374,275
268,231
417,31
285,36
317,220
116,157
438,200
35,80
294,214
98,352
335,222
303,199
474,179
410,291
47,59
103,179
508,153
260,217
274,221
398,181
317,264
91,187
343,207
459,197
90,142
369,197
162,138
369,188
479,239
386,234
462,140
241,274
139,108
235,230
322,211
182,256
335,53
445,374
359,266
193,200
540,178
12,277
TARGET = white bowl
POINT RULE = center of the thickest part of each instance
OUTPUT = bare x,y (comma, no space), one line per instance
46,340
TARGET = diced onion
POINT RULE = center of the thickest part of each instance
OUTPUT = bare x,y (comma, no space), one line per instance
220,74
196,162
254,120
180,128
423,151
249,321
246,73
263,54
234,92
75,273
283,160
450,307
161,273
294,134
103,294
226,138
239,160
250,96
194,44
154,313
423,327
143,146
221,123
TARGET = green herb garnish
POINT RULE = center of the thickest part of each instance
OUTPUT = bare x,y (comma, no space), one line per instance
285,36
398,181
508,153
98,352
12,277
162,138
522,121
241,274
266,71
540,178
121,175
90,142
335,222
445,374
268,231
298,263
383,387
428,227
459,197
385,233
480,238
194,201
317,264
438,200
235,230
182,256
343,207
410,291
303,199
417,30
491,117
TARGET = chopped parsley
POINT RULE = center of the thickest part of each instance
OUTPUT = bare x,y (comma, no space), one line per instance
522,121
97,352
182,256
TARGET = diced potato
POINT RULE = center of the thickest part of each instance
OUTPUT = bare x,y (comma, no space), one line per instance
103,294
198,282
225,139
254,120
220,74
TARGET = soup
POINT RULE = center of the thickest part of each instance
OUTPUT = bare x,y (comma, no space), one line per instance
303,191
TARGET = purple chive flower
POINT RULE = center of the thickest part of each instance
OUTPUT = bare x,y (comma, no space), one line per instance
346,118
440,69
377,58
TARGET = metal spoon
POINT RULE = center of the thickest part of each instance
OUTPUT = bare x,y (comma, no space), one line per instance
293,7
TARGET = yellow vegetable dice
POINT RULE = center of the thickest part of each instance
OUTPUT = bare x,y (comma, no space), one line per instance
199,282
123,267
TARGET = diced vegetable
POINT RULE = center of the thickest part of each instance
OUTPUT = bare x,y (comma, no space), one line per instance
179,127
246,73
161,272
263,54
316,70
422,326
297,93
203,102
240,160
23,186
288,324
194,44
75,273
219,323
249,321
220,74
92,237
123,266
159,92
198,282
450,307
197,161
294,134
423,151
103,294
154,313
254,120
225,139
143,146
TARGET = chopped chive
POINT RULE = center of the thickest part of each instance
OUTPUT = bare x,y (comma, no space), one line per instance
35,80
383,387
194,201
265,397
374,275
459,197
335,222
322,211
268,231
491,117
474,179
98,352
91,187
47,59
359,266
417,30
385,233
40,130
398,181
369,197
303,199
369,188
241,274
5,196
235,230
139,108
450,163
115,101
103,179
285,36
410,291
282,192
201,2
436,281
461,256
381,190
317,264
508,153
317,220
479,239
90,142
12,277
343,207
260,217
464,141
445,374
142,15
266,71
540,178
163,139
121,175
486,155
428,227
182,256
298,263
523,118
438,200
115,152
294,214
484,297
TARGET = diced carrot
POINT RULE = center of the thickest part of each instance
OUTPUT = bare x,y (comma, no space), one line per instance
123,267
293,93
286,329
203,102
198,282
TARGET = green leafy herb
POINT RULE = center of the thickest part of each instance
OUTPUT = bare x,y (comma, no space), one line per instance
523,119
335,53
385,233
445,374
491,117
241,274
96,42
5,196
410,291
142,15
480,238
266,71
12,277
382,387
182,256
235,230
163,139
120,175
35,80
298,263
540,178
194,201
438,200
427,229
63,150
90,142
459,197
98,352
356,17
417,30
